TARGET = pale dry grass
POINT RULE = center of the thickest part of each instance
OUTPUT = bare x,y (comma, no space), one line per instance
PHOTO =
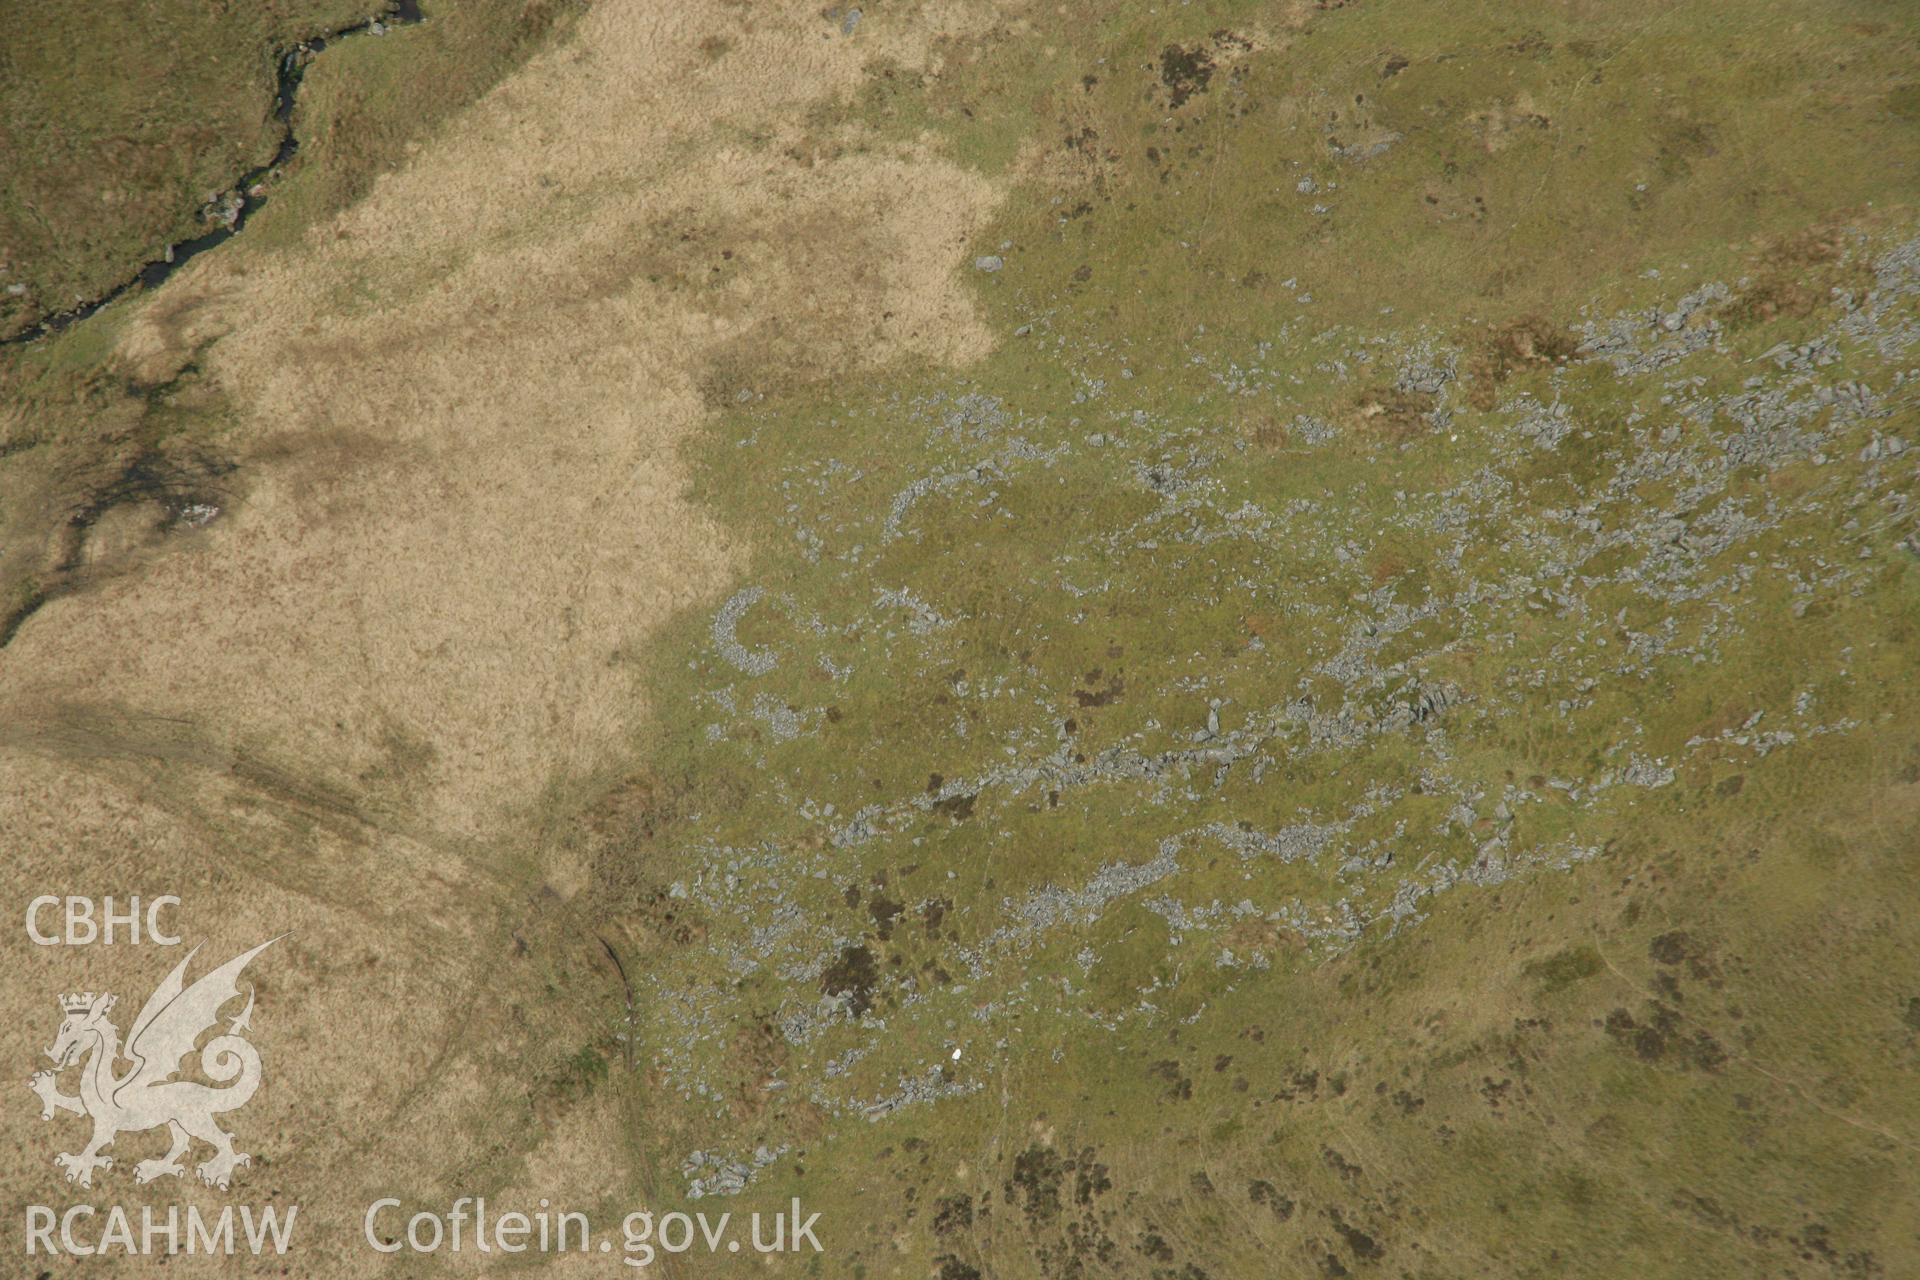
335,709
464,497
357,1005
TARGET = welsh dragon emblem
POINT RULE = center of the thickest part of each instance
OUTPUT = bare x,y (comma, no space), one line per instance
145,1094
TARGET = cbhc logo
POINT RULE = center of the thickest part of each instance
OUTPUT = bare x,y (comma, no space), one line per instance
84,922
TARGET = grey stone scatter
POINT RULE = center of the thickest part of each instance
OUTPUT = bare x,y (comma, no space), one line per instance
755,662
1619,592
